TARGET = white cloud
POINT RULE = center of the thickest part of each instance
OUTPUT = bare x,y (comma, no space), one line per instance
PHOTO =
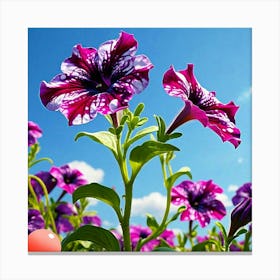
232,188
244,96
224,199
154,204
91,174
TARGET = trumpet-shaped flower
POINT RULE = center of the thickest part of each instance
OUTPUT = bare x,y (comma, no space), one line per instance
200,201
34,132
201,104
99,80
241,215
67,178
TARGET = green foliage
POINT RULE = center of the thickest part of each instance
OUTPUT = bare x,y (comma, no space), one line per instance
183,171
95,190
106,138
140,155
162,136
152,222
99,236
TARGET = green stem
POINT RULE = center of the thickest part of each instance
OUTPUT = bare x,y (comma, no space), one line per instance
162,225
128,184
45,191
61,196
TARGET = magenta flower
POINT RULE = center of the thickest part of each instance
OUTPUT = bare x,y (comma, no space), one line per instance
201,105
67,178
168,236
200,201
35,220
99,80
49,181
139,232
34,132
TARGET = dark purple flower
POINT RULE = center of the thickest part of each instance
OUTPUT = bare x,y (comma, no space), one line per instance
200,201
67,178
63,224
139,232
49,181
245,191
63,211
200,104
34,132
93,220
99,80
241,215
35,220
66,208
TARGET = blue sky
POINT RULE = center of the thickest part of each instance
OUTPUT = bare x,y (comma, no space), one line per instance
222,63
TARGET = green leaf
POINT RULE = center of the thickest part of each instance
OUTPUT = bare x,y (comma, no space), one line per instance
174,135
149,149
201,247
177,214
99,236
241,231
222,229
140,134
95,190
142,121
183,171
139,109
151,222
103,137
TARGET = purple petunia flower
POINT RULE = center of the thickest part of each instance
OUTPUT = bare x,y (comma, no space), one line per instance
241,215
67,178
99,80
63,224
35,220
245,191
63,211
66,208
168,236
139,232
200,201
48,180
34,132
201,105
93,220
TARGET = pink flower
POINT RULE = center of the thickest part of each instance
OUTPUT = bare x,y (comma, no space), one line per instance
67,178
201,104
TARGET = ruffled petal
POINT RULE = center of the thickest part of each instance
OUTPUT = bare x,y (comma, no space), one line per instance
221,124
175,84
82,59
79,107
114,52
